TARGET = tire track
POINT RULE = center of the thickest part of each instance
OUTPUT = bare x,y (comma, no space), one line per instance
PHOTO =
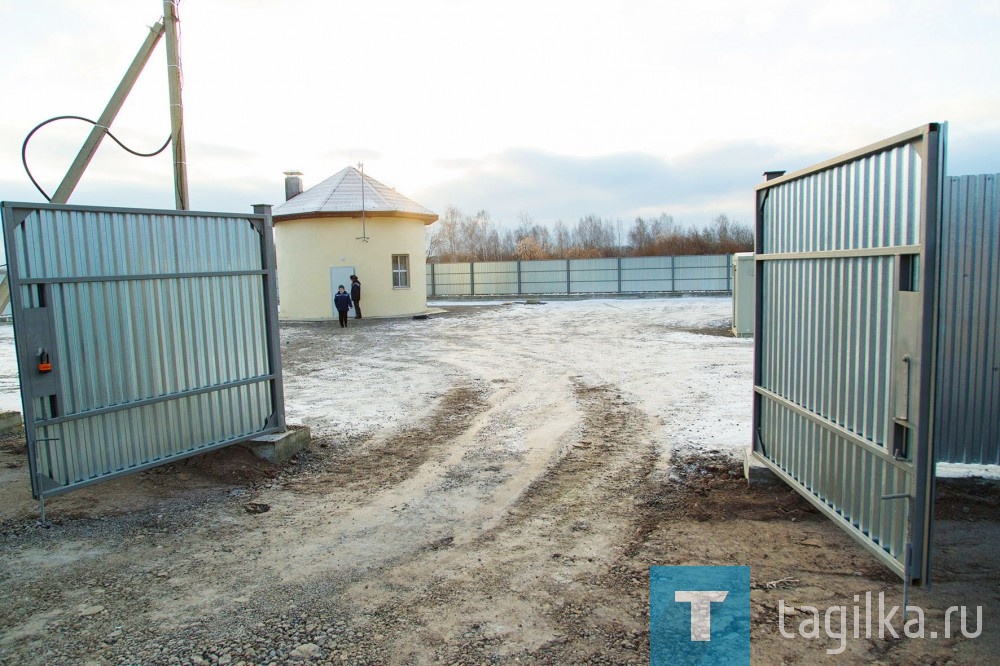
544,561
391,460
610,458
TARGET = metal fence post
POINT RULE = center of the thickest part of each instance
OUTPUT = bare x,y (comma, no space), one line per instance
472,278
433,282
673,273
271,299
619,275
729,273
519,276
568,274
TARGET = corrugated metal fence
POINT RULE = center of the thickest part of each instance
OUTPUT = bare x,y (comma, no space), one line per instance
142,336
697,273
844,330
967,417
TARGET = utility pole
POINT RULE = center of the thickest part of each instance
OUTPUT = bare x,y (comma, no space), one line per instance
72,178
176,106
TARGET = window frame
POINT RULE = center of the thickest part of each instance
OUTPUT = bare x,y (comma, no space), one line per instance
401,270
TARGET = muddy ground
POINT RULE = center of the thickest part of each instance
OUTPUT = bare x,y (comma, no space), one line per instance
511,518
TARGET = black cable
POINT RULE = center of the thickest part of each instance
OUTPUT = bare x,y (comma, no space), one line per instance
24,146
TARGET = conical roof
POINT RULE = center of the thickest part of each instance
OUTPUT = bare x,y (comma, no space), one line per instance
345,194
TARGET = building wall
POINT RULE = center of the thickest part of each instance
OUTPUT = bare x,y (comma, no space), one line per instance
307,249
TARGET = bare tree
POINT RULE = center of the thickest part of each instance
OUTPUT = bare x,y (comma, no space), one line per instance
445,242
595,236
640,237
528,249
460,237
562,239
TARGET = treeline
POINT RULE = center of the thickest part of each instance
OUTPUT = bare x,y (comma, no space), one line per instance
458,237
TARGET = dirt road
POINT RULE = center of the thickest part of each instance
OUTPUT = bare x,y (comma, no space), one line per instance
488,486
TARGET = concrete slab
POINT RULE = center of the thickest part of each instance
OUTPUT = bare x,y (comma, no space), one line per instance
755,471
280,447
10,422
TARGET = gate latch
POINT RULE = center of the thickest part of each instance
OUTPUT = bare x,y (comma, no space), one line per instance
44,365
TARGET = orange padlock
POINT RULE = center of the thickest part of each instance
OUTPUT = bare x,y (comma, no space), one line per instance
44,365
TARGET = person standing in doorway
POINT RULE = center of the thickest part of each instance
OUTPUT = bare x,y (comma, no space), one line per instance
342,301
356,295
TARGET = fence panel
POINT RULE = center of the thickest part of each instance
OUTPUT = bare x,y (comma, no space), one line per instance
644,274
703,273
593,276
967,408
544,277
685,274
451,279
495,277
142,336
844,340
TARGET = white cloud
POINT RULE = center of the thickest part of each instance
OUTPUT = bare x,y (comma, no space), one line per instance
694,187
557,108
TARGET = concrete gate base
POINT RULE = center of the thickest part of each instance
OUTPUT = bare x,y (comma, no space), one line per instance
10,422
280,447
756,471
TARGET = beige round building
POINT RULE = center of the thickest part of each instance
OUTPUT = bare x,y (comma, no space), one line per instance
350,224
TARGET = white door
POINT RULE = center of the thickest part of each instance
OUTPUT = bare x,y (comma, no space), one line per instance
339,275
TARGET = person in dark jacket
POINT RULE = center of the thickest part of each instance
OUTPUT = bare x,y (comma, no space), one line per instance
356,295
342,301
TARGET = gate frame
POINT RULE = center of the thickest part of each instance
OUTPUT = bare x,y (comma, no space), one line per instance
15,213
920,496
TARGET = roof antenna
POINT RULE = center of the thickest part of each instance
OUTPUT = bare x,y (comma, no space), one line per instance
364,235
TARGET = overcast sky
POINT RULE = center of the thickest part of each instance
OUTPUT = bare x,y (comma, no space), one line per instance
553,109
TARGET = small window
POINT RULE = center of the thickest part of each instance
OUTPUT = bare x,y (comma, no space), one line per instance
400,271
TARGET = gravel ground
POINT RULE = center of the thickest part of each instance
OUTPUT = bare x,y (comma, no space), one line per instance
487,486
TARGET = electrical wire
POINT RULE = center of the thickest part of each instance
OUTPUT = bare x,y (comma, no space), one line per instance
24,146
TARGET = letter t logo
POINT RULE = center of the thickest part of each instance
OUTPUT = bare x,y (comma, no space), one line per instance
701,610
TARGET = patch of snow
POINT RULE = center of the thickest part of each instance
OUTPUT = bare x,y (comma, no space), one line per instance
458,304
10,385
696,389
966,471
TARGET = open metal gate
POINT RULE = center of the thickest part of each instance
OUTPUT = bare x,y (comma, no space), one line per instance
843,360
143,336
